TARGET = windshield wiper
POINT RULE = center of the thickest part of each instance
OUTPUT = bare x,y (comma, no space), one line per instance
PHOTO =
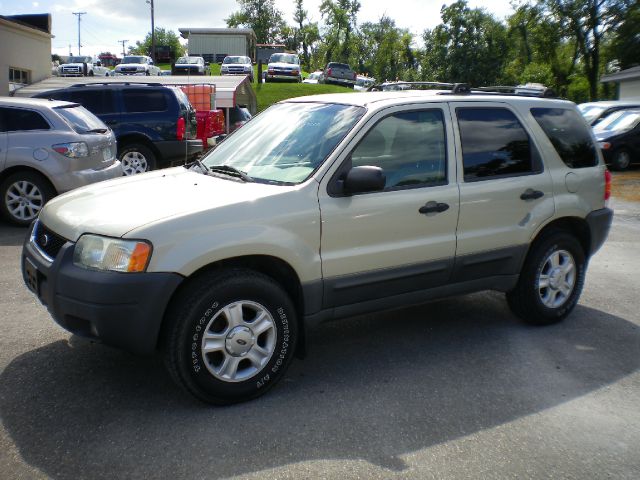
232,171
197,161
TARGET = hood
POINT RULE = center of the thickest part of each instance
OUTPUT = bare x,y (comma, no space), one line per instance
124,65
607,134
285,66
118,206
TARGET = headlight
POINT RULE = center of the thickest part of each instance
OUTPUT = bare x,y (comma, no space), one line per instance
114,254
72,150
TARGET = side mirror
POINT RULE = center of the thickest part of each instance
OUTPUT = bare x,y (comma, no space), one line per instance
364,179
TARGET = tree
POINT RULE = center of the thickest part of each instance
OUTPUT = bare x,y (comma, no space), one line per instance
263,17
625,45
385,51
468,46
588,21
339,39
305,32
163,37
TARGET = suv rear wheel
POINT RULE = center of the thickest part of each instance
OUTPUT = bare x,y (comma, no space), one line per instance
551,279
230,337
136,158
23,196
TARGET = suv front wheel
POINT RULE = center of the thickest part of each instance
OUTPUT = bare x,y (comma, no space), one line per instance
230,336
551,279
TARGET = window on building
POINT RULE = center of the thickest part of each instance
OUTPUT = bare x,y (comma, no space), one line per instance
17,75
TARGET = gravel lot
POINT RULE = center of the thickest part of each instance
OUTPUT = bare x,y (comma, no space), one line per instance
453,389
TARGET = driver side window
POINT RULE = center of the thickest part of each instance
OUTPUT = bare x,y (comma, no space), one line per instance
410,147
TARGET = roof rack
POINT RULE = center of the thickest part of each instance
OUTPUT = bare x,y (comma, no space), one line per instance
528,90
151,84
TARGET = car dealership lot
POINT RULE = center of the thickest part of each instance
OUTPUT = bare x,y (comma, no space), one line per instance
457,388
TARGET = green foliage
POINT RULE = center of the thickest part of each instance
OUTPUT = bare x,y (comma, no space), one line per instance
263,17
339,40
468,46
625,45
163,37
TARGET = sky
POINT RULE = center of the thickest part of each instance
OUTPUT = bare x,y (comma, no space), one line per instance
109,21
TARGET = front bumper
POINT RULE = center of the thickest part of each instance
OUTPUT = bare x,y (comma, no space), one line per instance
599,222
283,76
120,309
176,152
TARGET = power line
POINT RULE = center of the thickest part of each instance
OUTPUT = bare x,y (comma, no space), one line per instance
79,15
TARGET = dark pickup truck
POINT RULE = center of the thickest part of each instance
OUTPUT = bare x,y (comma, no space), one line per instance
339,74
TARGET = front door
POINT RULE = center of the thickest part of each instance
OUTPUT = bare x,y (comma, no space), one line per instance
402,238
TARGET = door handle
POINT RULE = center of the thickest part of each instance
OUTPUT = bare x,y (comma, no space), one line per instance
530,194
433,207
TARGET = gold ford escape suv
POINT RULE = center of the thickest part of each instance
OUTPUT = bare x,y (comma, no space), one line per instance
324,207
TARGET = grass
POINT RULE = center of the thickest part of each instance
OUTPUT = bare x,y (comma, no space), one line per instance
270,93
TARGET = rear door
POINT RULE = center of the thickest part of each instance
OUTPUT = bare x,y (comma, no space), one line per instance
505,191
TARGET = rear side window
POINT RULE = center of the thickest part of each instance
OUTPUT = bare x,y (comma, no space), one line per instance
494,144
138,100
96,101
409,147
569,135
17,119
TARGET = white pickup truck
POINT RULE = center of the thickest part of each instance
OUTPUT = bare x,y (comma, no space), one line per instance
83,66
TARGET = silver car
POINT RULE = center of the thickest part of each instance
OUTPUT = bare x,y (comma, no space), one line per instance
46,148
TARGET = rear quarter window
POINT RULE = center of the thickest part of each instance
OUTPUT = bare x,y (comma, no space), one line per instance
144,100
17,119
569,135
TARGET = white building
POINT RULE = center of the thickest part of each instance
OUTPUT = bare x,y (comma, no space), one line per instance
213,44
628,82
25,50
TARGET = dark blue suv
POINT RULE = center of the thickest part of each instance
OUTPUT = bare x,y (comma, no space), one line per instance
155,125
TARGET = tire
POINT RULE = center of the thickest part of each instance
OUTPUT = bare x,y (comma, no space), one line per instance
259,360
23,196
557,260
621,159
136,158
91,74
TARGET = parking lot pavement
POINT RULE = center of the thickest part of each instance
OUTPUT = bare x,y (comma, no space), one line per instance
454,389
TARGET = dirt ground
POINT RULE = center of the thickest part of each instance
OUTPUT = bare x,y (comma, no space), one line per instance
626,185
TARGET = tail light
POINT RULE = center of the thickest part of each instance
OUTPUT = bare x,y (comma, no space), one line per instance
328,72
181,128
607,185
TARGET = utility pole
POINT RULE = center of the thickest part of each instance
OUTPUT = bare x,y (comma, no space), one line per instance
153,34
123,42
79,15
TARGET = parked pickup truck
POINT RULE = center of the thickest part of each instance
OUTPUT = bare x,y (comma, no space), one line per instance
339,74
83,67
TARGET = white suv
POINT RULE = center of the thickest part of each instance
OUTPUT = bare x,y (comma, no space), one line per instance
325,207
136,65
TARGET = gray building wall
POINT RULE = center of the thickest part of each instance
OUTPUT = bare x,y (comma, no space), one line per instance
214,47
630,89
23,48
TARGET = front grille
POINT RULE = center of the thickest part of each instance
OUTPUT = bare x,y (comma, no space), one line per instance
70,69
47,241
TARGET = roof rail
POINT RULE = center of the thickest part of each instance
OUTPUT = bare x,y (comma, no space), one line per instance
464,88
151,84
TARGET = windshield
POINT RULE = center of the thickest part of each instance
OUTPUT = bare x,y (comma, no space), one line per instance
286,142
133,60
622,120
591,112
283,58
81,119
189,60
228,60
79,60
